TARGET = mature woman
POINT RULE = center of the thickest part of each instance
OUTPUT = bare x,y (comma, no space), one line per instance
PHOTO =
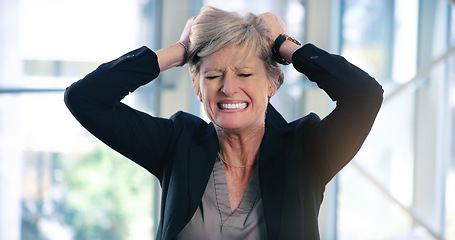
248,174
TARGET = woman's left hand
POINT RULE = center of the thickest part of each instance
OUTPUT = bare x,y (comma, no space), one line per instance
275,24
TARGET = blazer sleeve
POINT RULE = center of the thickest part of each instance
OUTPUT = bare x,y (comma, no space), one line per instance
335,140
95,101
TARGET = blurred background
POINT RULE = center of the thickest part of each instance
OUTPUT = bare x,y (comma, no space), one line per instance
59,182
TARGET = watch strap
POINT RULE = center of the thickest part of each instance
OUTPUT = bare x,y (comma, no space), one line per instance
276,47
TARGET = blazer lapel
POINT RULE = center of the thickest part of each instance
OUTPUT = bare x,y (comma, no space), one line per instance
201,157
271,166
201,160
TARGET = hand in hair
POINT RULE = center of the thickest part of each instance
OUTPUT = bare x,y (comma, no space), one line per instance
185,36
275,24
276,27
176,54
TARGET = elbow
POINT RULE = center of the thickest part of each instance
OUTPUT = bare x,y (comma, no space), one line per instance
72,98
68,96
368,99
377,94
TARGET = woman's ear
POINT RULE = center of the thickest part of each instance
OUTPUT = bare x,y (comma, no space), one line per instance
196,88
272,88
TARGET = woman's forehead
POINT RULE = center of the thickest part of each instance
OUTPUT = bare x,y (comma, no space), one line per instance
233,57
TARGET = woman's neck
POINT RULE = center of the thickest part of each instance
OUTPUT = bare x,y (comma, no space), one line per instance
240,148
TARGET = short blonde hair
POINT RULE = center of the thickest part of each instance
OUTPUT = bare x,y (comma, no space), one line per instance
214,29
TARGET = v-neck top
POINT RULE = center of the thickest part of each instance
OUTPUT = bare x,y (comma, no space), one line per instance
214,219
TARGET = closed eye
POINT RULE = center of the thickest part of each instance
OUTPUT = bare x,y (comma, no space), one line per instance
212,77
245,75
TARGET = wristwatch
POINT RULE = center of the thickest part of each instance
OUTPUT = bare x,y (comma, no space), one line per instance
276,47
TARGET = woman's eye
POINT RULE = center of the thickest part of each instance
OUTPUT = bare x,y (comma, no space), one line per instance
244,75
212,77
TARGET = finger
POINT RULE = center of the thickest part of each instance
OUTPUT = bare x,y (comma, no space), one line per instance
274,23
185,36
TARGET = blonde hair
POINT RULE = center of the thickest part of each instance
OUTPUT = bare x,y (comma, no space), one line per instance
214,29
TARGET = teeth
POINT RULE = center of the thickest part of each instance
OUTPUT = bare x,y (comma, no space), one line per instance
233,106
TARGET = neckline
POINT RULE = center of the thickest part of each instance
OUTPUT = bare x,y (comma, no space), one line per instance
237,218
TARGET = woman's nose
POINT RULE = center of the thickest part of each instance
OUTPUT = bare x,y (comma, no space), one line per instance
230,85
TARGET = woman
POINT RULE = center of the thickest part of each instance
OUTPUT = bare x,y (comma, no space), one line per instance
248,174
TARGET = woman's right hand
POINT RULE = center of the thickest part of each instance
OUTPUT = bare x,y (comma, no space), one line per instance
175,54
185,36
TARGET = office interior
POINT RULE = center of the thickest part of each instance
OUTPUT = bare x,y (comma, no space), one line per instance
59,182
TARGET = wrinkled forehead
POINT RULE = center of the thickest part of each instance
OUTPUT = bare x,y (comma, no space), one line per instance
232,56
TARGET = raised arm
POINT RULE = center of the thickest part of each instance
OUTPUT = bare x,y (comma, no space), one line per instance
335,140
95,101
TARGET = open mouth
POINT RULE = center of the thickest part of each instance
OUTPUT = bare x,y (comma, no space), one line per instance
232,106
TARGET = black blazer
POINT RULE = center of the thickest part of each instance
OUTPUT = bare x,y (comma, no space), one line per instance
296,161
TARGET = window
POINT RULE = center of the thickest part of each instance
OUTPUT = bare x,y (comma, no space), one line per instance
398,185
56,180
59,182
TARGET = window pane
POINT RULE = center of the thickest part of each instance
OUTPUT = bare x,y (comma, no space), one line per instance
397,187
71,186
56,180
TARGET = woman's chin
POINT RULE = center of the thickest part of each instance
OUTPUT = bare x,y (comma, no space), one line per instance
236,125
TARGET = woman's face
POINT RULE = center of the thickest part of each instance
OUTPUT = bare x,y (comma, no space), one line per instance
234,90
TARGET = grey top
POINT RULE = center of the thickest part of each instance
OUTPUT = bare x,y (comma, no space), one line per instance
214,219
